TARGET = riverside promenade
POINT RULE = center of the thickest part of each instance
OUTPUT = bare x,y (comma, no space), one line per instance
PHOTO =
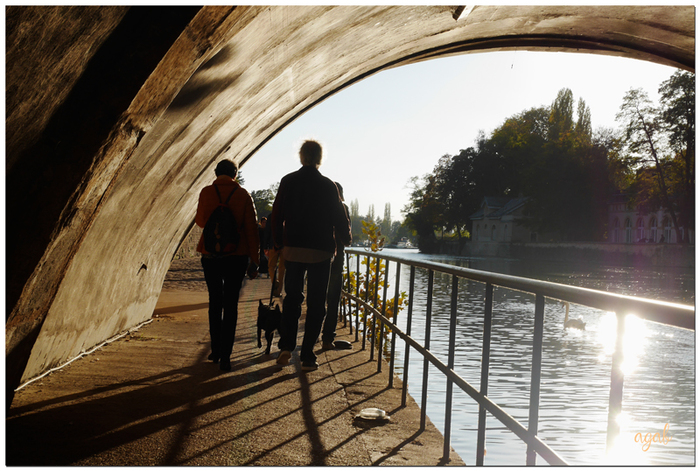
151,398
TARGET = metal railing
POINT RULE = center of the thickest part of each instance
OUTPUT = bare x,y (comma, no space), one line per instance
661,312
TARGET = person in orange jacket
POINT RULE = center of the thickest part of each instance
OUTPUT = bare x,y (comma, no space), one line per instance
224,274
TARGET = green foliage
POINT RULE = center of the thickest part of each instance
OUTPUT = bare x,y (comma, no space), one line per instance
566,178
567,171
372,287
660,149
424,211
263,199
398,231
239,178
374,236
358,223
678,115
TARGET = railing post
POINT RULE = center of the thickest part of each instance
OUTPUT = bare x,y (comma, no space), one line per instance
364,324
409,321
357,319
345,306
393,332
380,337
484,384
428,320
450,365
357,294
373,337
535,376
679,316
617,379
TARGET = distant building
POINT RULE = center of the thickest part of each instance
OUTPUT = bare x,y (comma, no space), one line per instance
497,221
629,226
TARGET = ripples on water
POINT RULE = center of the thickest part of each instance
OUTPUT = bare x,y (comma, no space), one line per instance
659,386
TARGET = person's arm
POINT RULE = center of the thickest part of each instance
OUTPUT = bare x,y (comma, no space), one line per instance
202,214
277,218
252,233
341,222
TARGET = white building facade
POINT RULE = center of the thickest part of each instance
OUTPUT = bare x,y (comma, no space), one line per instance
497,221
629,226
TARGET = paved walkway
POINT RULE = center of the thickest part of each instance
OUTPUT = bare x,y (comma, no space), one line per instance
151,398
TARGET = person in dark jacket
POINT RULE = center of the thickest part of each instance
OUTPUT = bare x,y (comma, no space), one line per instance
335,285
306,217
262,230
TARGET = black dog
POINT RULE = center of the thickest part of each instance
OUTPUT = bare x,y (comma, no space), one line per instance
269,319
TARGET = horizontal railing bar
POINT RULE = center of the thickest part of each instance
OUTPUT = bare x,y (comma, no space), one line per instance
677,315
506,419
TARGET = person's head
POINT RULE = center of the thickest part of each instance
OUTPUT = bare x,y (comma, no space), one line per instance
311,154
340,191
226,167
263,221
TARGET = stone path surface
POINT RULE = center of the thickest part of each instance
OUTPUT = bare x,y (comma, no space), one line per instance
151,398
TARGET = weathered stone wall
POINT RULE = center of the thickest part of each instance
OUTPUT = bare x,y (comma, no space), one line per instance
188,248
62,180
39,80
103,188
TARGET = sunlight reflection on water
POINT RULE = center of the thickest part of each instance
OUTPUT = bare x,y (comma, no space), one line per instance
575,386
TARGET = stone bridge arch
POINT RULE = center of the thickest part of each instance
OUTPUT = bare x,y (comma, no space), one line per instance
116,116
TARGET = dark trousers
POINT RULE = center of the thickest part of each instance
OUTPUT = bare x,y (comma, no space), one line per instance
335,284
317,284
224,277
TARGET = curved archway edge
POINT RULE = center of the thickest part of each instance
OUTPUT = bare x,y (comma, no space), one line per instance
111,135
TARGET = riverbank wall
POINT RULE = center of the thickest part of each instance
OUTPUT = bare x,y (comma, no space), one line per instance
627,255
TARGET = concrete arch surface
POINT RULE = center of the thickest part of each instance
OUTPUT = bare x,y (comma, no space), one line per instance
116,117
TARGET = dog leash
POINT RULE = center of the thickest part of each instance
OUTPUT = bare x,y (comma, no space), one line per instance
272,290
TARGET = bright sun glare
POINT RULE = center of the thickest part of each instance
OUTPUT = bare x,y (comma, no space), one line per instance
633,343
624,450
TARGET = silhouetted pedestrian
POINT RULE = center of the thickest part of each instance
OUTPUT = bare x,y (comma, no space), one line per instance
224,272
262,231
335,285
305,215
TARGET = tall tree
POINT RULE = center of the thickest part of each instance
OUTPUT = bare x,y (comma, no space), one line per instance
561,116
583,128
370,213
385,226
356,221
567,175
646,142
423,211
678,114
354,208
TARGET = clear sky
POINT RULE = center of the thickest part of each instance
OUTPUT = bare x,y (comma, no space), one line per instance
396,124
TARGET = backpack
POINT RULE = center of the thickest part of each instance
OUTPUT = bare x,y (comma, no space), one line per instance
221,231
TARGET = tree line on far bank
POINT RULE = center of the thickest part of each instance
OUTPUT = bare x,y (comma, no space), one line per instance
569,173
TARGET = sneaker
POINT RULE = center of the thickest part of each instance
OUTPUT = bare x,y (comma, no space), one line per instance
309,365
225,365
283,358
328,346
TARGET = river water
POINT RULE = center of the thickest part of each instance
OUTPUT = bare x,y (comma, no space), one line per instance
659,388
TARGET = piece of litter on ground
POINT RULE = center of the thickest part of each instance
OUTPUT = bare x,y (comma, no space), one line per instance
372,413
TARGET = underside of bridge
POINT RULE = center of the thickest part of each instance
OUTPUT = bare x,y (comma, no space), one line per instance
116,117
